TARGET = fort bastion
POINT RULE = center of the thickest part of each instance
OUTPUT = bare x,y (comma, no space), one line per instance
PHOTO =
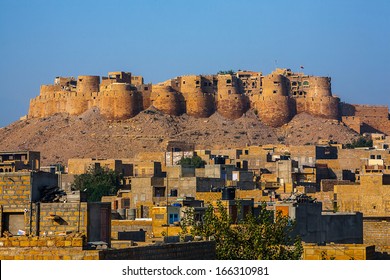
275,98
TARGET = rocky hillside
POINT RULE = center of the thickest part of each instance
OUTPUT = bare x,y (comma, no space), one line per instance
61,137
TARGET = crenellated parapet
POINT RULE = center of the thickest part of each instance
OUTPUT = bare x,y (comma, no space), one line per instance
276,97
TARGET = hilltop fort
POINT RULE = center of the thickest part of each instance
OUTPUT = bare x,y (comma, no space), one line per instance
276,98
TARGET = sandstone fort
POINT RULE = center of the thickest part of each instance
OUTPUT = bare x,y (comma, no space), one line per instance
276,98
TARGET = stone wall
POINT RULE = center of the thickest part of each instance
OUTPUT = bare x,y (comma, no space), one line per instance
45,248
377,231
372,118
18,193
371,196
325,107
130,225
354,123
57,218
71,248
203,250
338,252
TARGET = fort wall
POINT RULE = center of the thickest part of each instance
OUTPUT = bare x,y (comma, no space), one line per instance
373,118
276,98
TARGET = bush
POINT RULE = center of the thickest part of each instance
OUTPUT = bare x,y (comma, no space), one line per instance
264,237
194,161
360,143
97,182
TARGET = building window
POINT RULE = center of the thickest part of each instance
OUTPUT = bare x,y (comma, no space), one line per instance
126,203
228,81
159,216
378,157
173,218
372,156
173,193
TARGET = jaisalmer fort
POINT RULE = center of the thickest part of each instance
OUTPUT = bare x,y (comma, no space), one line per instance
337,193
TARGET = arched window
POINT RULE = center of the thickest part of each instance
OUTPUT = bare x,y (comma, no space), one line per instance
306,83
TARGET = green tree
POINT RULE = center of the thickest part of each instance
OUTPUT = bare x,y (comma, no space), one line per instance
359,143
224,72
265,237
97,182
194,161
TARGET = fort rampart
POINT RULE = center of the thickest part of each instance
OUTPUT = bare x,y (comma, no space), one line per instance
275,98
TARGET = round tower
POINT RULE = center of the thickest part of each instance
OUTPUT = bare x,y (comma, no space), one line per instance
167,100
318,100
199,102
273,104
317,86
325,107
119,101
231,104
87,84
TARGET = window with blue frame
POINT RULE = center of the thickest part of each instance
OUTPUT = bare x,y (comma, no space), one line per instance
173,218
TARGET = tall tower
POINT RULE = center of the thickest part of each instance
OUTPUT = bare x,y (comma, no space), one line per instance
314,96
273,104
167,100
231,103
198,94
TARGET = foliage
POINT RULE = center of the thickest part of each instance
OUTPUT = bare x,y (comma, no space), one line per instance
263,237
97,182
224,72
324,256
359,143
194,161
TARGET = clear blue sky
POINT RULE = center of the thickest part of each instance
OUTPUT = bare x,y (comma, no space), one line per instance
347,40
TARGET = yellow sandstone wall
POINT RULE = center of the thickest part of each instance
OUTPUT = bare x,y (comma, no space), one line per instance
338,252
276,98
273,105
231,104
167,100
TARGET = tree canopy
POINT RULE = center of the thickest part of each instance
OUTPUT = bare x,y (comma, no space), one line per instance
194,161
224,72
266,236
359,143
97,182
